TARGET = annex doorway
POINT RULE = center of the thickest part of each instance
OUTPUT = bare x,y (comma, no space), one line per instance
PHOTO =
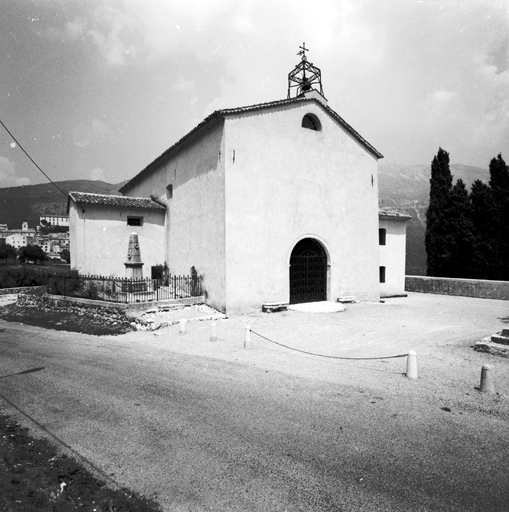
308,272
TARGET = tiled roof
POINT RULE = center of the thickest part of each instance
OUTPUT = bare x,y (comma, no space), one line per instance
117,201
219,114
394,215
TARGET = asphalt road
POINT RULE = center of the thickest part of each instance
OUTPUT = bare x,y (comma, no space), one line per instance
204,434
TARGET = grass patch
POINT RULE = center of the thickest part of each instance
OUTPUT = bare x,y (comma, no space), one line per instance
34,477
12,276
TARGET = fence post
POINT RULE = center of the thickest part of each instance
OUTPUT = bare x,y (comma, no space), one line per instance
411,365
486,379
247,335
213,332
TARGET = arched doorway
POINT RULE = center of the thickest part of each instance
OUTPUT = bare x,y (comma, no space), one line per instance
308,272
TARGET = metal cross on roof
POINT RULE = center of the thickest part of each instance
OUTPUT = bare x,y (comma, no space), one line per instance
303,51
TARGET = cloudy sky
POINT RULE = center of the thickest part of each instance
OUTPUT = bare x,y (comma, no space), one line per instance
96,89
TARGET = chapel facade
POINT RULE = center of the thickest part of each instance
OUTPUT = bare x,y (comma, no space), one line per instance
273,202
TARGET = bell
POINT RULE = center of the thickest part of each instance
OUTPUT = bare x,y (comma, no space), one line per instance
306,86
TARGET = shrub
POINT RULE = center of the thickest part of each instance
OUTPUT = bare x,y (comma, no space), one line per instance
91,291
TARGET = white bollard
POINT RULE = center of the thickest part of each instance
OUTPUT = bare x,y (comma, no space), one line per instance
247,335
411,365
486,379
183,323
213,332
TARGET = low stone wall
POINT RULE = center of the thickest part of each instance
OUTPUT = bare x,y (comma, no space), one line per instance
124,315
16,291
462,287
138,307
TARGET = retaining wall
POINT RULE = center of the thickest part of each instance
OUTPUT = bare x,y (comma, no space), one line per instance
463,287
125,315
130,307
20,289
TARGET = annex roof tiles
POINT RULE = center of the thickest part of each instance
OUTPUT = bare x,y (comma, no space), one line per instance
393,215
115,201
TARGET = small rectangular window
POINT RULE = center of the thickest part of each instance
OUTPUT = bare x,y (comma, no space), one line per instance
382,274
381,236
135,221
169,191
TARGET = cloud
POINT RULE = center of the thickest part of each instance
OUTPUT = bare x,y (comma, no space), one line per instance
75,29
114,31
423,71
81,135
100,128
444,96
183,85
8,176
97,174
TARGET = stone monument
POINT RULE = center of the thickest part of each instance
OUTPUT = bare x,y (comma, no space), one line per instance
133,265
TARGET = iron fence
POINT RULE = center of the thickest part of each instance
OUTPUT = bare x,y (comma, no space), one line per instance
115,289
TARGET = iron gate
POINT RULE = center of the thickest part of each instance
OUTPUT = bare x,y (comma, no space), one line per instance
308,272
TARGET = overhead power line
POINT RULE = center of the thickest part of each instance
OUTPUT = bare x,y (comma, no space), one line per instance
31,159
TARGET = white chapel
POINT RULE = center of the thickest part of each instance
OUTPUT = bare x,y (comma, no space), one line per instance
272,202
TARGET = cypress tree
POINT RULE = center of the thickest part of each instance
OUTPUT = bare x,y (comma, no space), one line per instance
460,233
437,239
484,234
499,184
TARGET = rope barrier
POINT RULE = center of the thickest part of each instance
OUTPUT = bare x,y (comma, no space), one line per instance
323,355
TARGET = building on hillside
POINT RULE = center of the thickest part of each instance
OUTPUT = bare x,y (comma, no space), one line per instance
19,237
25,230
54,220
18,240
3,227
63,236
274,202
28,236
52,243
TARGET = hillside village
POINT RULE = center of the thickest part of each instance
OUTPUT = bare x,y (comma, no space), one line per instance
51,234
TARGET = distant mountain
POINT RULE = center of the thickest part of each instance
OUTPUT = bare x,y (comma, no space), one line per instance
28,203
405,188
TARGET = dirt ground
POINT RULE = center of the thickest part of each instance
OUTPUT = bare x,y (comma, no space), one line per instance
441,329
